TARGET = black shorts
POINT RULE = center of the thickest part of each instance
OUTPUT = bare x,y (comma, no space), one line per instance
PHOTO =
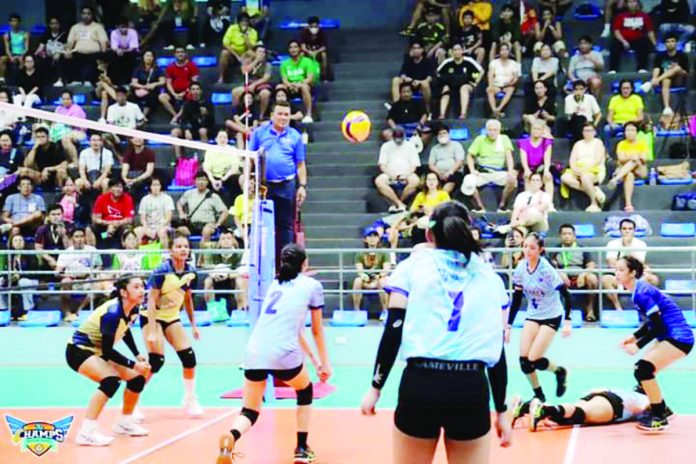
450,395
144,320
257,375
227,284
455,178
615,400
76,356
554,323
682,346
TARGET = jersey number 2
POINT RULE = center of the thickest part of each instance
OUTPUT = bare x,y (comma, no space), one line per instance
457,303
272,300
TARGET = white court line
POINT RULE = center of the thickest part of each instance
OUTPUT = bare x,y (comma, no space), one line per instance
572,444
176,438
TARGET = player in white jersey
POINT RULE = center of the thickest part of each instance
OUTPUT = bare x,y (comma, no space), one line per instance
445,308
544,289
275,349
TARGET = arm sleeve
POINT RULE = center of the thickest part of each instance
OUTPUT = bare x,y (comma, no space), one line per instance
388,346
565,296
648,331
497,377
130,342
515,307
110,354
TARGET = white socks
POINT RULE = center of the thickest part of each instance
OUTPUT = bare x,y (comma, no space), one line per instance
190,388
88,426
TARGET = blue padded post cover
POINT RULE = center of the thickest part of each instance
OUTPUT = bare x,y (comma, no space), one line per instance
678,229
238,319
349,318
42,318
585,230
203,319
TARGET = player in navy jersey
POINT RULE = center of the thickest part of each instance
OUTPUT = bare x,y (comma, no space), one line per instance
544,289
445,315
275,349
664,322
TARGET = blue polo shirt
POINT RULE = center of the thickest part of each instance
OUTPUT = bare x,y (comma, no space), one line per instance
284,151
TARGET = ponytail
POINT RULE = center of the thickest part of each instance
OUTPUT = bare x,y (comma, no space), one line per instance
634,265
121,284
449,225
291,259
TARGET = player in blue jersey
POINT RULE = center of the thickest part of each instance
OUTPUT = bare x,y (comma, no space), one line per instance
445,315
544,289
664,322
275,349
91,352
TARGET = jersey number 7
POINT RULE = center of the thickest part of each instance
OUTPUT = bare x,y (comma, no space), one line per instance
457,303
272,300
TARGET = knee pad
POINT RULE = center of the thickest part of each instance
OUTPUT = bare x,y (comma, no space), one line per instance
188,358
644,370
541,364
109,386
250,414
526,365
136,384
306,395
578,417
156,362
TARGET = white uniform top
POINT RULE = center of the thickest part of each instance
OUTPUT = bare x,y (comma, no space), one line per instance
274,342
541,289
454,309
634,404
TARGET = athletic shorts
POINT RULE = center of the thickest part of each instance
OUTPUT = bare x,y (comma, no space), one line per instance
617,404
257,375
682,346
164,324
76,356
554,322
449,395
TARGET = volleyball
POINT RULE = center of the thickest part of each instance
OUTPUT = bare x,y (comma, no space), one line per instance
356,126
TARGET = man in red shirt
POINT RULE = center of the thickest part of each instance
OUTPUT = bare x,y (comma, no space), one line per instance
112,211
180,74
634,30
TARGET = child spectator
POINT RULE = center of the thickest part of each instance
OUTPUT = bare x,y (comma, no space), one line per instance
314,44
587,65
180,75
222,266
671,69
239,39
146,83
156,210
549,32
416,70
69,202
29,84
51,52
633,29
298,74
458,75
216,23
15,276
503,75
197,118
244,121
259,70
16,45
222,168
471,38
433,35
507,32
372,267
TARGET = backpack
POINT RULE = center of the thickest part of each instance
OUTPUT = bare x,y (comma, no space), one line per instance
612,225
185,172
684,202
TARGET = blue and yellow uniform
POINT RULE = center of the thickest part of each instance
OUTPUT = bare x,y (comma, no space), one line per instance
173,286
648,301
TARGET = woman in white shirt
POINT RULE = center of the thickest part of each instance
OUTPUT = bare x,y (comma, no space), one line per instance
586,168
531,208
503,74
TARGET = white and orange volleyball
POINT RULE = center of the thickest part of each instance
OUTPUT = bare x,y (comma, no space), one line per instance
356,126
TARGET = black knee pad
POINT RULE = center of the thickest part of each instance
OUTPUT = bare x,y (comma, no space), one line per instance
250,414
136,384
644,370
526,365
541,364
578,417
156,362
188,358
306,395
109,386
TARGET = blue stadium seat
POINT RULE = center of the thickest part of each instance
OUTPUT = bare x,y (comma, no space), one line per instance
42,318
221,98
238,319
205,61
690,318
78,98
636,87
279,59
349,318
459,133
164,61
203,319
295,24
661,132
587,12
680,286
178,188
678,229
4,318
617,233
637,182
684,181
585,230
626,319
576,319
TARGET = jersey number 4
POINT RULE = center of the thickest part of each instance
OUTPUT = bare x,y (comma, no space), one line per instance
457,303
272,300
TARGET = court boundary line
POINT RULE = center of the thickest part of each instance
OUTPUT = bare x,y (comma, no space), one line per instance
572,445
179,437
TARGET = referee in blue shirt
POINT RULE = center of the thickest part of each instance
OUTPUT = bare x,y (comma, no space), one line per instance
286,171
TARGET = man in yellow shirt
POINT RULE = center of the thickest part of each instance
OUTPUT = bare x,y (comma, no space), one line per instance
239,40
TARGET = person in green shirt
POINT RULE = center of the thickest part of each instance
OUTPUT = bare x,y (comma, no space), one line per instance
298,73
239,40
372,268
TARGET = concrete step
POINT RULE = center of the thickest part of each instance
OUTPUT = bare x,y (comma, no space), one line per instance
332,205
343,95
321,159
344,170
342,181
346,147
338,194
334,242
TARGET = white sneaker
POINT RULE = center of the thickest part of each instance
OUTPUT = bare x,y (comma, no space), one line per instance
75,84
101,121
642,71
667,111
307,120
606,31
193,408
87,84
190,47
504,229
383,315
93,439
58,83
5,228
168,47
138,416
687,47
600,196
646,87
612,72
130,428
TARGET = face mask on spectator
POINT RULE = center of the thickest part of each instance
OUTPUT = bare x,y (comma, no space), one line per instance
314,30
443,139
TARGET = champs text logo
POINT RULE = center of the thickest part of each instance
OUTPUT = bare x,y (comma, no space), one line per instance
38,437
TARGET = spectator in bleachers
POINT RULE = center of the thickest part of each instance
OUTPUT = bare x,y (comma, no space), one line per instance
149,15
156,210
674,19
587,65
223,168
298,76
105,90
11,162
179,76
24,211
485,255
633,30
489,160
87,42
29,84
70,137
545,68
112,212
446,160
483,12
242,219
197,119
458,75
16,270
525,15
46,163
259,15
631,163
8,118
398,161
586,168
260,71
550,32
541,107
70,202
416,70
557,7
421,10
618,248
51,51
180,13
671,69
531,208
223,270
95,166
53,235
72,267
433,35
16,45
406,111
572,258
431,194
146,83
507,32
315,45
471,38
372,267
514,239
611,9
626,106
536,152
201,210
128,259
581,108
280,95
124,113
138,165
125,50
503,75
215,24
244,121
240,39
